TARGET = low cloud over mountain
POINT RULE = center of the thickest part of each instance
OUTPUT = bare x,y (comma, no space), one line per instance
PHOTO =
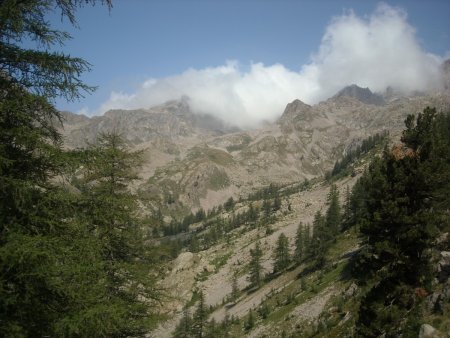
377,51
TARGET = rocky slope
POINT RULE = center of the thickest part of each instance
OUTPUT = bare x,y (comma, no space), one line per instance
200,162
193,161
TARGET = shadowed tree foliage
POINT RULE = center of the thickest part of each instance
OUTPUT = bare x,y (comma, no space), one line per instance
56,275
403,201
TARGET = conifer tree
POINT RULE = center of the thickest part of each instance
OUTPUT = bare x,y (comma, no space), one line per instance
255,265
234,287
212,330
276,203
306,240
111,212
51,268
184,327
402,212
267,208
299,252
333,215
250,323
281,253
346,207
320,240
200,317
252,214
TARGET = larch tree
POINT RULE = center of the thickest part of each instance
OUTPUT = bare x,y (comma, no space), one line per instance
333,214
110,211
54,271
200,317
320,239
300,251
281,253
255,266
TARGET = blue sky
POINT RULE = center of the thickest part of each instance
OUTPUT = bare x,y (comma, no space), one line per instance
155,39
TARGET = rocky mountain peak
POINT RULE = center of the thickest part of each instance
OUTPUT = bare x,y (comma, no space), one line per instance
172,120
292,111
364,95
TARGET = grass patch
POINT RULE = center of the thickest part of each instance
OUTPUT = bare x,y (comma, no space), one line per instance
245,141
218,180
344,242
215,155
220,261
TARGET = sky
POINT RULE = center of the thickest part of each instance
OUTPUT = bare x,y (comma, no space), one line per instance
244,60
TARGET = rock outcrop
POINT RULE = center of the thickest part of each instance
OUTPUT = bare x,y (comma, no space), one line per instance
364,95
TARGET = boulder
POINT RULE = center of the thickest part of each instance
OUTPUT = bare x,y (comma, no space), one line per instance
427,331
351,291
184,261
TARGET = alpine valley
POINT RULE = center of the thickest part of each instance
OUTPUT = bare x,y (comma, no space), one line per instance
217,202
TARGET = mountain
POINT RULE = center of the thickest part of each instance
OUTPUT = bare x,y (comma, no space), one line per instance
210,193
361,94
173,120
200,162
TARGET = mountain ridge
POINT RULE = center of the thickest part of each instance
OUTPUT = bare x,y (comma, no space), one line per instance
364,95
187,155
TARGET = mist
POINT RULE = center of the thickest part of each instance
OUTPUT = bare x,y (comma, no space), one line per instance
377,51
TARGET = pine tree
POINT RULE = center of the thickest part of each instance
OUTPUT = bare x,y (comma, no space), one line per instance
281,253
200,317
276,203
255,265
307,239
333,215
346,208
252,213
229,204
250,323
300,251
320,240
402,212
212,330
234,287
184,327
267,208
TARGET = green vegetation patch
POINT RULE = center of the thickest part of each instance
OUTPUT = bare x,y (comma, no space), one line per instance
218,180
217,156
220,260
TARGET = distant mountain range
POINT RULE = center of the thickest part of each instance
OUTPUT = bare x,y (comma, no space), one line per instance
200,161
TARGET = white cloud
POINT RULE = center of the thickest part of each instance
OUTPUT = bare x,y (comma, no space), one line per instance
378,51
